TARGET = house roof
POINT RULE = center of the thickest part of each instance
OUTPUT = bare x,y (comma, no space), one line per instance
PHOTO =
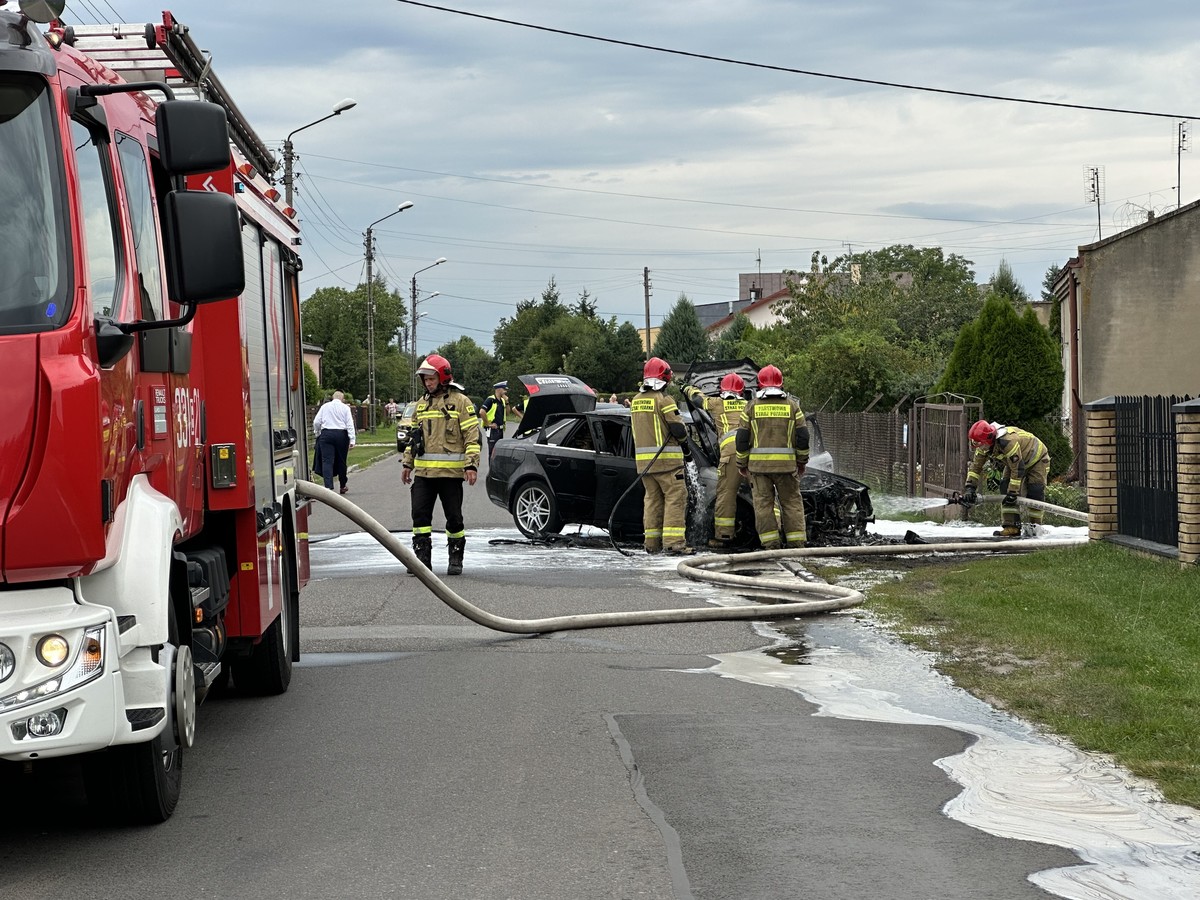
760,303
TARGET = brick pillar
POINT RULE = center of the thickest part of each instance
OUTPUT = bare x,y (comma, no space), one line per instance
1101,467
1187,467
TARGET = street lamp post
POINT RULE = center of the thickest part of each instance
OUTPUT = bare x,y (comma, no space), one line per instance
369,243
416,381
288,155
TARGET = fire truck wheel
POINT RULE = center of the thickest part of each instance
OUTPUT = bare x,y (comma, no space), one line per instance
138,784
268,669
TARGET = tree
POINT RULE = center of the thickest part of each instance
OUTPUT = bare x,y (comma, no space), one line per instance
514,337
585,308
473,367
1009,361
607,357
1049,280
681,339
1004,283
727,344
336,319
312,387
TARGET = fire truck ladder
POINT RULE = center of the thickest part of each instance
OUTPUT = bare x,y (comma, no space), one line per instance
167,53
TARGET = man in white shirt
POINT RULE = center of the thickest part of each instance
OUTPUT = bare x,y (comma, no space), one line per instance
334,427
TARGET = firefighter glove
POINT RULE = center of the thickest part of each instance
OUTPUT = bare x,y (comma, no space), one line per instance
970,496
1010,499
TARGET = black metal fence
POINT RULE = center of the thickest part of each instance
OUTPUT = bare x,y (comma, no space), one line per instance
1147,490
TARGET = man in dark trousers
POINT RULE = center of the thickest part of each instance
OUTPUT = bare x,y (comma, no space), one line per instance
443,453
491,414
334,427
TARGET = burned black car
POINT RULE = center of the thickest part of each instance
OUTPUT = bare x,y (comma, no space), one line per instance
572,462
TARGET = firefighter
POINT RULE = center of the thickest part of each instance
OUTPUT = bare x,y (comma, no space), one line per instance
772,451
443,452
491,415
661,452
726,411
1026,462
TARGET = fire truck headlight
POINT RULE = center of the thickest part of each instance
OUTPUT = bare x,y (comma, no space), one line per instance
8,662
53,650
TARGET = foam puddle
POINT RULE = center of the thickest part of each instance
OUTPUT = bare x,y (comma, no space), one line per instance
1016,783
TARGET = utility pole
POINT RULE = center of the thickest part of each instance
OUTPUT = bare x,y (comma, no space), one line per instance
1181,141
1094,176
646,291
370,245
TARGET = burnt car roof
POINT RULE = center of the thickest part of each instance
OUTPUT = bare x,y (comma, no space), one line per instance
550,394
707,375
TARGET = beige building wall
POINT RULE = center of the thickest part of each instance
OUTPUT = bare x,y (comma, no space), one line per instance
1139,310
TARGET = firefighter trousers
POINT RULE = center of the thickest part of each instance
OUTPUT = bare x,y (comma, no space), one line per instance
425,493
725,509
664,514
766,486
1033,486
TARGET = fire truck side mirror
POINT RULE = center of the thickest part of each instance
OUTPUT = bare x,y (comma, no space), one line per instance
192,137
202,239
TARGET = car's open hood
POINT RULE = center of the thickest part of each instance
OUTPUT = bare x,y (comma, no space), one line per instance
550,394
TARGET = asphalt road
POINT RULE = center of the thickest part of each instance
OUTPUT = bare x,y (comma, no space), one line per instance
418,755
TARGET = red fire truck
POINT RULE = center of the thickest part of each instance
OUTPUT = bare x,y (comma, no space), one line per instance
151,404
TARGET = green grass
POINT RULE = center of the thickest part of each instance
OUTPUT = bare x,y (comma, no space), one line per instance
363,455
1093,643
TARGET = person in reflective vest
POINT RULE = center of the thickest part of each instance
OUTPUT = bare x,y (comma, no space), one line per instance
491,414
1026,463
726,411
661,451
772,451
442,453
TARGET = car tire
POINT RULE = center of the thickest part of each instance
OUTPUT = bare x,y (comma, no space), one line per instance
535,510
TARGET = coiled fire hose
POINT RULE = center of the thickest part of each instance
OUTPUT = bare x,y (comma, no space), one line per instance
701,568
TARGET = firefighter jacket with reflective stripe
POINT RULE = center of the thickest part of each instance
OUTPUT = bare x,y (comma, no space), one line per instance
657,423
726,415
449,436
1016,449
773,436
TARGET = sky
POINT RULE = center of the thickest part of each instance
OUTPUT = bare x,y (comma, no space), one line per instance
531,154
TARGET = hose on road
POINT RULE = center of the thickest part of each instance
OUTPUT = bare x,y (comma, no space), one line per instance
827,597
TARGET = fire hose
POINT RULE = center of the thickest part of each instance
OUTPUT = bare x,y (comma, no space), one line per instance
702,568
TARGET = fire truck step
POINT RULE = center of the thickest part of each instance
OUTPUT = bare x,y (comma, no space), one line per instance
146,717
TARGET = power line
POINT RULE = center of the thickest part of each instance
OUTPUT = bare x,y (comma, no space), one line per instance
791,71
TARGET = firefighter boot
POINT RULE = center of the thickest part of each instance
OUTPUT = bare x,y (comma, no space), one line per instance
1011,529
423,548
457,546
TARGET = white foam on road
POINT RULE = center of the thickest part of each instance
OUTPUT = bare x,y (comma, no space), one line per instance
1016,783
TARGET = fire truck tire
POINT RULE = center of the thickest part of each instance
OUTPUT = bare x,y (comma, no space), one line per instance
138,784
268,669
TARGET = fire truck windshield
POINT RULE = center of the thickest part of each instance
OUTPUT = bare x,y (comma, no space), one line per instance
33,258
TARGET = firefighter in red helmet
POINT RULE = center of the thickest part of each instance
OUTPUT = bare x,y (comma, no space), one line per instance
726,411
1026,463
772,451
443,453
661,452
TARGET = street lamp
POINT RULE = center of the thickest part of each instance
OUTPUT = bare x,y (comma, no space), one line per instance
416,381
288,155
369,243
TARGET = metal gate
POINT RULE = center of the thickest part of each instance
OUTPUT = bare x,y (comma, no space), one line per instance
1147,497
938,448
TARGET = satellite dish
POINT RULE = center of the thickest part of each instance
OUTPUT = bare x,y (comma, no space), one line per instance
42,10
